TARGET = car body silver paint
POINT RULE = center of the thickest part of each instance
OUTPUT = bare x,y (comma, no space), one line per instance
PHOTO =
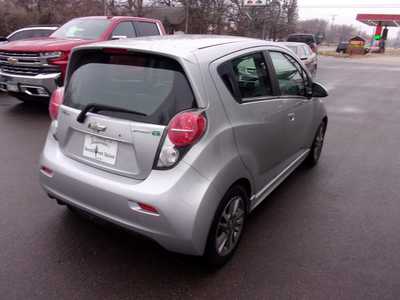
253,142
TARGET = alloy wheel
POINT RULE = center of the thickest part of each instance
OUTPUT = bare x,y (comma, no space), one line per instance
319,142
230,226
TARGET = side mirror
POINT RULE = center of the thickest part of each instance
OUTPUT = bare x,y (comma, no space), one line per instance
3,39
319,91
118,37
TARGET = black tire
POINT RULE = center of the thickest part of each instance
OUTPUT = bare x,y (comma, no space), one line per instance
213,256
317,145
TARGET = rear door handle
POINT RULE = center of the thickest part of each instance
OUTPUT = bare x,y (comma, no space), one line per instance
292,117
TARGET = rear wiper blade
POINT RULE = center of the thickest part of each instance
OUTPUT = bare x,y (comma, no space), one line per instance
93,107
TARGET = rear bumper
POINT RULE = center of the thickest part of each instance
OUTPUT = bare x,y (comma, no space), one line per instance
184,199
40,86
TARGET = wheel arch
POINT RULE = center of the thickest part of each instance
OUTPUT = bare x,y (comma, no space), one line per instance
233,173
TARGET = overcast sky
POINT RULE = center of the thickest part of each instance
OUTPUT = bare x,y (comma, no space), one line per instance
347,10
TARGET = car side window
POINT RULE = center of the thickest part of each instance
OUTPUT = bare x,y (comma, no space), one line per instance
291,77
251,76
146,28
21,35
42,33
124,29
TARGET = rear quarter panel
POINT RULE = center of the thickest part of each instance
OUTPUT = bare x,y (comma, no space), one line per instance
215,156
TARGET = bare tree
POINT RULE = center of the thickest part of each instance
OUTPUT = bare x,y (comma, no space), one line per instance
203,16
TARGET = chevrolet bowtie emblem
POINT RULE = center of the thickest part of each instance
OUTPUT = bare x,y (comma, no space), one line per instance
12,61
97,127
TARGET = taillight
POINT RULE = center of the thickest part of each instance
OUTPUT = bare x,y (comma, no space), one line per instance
56,100
184,130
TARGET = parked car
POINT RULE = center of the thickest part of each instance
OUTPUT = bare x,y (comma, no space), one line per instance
304,52
32,69
306,38
28,33
342,47
179,138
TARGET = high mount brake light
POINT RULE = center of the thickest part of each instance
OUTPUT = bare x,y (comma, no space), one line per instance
56,100
185,128
115,51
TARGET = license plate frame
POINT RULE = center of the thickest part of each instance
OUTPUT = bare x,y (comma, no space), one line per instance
100,149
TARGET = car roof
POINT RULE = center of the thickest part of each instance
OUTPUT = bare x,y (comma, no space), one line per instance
184,45
116,18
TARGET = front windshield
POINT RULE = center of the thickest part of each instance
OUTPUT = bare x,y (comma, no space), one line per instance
86,29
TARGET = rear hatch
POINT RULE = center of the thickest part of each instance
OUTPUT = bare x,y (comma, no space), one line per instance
129,99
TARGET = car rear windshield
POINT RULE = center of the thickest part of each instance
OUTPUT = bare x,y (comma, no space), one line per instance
87,29
153,88
303,38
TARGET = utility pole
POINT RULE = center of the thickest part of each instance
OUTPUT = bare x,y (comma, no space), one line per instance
333,18
187,13
265,20
105,7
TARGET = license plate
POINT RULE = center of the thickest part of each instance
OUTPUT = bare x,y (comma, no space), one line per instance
12,88
100,149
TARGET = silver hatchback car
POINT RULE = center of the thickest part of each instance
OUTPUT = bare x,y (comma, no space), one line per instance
179,138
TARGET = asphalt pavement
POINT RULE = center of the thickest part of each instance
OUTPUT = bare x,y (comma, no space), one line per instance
332,232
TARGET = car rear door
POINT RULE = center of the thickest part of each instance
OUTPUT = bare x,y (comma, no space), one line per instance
131,97
294,84
256,114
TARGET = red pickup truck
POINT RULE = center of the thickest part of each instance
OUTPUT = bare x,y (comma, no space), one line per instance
31,69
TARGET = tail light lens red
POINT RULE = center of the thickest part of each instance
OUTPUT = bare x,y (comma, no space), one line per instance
185,128
56,100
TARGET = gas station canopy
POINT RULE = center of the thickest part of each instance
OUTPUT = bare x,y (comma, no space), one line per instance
378,19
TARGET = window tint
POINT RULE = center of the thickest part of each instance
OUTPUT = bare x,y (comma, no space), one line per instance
42,32
302,38
291,77
124,29
146,28
251,75
20,36
152,85
27,34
